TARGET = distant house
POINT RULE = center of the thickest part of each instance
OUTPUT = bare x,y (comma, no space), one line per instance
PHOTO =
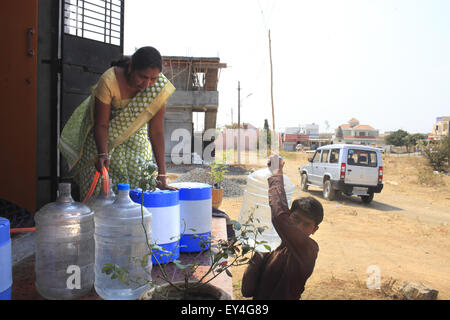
440,128
307,135
355,133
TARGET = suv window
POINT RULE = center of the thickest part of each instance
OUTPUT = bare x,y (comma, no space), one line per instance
324,157
316,156
334,156
363,158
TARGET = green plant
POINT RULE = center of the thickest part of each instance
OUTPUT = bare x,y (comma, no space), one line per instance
438,154
217,173
222,254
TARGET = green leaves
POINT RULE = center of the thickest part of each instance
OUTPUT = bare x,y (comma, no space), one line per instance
217,172
148,177
116,272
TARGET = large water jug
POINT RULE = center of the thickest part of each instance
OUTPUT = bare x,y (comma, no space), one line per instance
195,215
120,239
64,247
164,206
256,200
101,200
5,260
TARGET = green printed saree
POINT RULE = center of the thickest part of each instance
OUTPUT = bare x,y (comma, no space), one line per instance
128,143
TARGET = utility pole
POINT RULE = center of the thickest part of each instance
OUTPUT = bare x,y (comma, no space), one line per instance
231,118
274,136
271,83
239,123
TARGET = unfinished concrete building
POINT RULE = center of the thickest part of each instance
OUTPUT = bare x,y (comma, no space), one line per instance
196,80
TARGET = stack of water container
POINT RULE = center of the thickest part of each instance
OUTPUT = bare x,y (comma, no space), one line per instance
182,219
71,257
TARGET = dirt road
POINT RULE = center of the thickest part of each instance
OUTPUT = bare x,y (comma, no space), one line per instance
403,234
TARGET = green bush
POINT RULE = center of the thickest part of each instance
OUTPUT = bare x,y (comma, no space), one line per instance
438,154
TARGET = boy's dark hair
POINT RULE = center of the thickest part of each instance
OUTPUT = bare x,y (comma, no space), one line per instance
143,58
309,207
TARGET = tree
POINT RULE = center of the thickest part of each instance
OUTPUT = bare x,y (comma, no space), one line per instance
397,138
411,140
438,154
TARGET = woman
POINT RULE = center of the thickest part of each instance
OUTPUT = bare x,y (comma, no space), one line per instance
112,127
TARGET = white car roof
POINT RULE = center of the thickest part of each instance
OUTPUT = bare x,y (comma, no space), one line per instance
348,146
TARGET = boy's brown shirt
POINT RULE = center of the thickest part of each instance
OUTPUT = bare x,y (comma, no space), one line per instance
288,266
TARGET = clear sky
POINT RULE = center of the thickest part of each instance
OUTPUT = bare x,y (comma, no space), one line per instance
384,62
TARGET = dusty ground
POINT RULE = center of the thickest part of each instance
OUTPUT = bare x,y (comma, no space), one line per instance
404,233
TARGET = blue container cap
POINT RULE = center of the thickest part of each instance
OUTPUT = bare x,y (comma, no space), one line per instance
123,186
4,231
157,198
193,191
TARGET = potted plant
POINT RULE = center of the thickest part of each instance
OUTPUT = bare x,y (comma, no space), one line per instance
222,255
217,172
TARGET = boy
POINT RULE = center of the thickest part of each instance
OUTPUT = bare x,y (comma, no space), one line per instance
282,273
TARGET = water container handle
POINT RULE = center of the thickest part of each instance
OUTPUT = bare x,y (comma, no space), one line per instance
105,177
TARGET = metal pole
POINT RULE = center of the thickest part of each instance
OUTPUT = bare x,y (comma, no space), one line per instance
239,123
271,95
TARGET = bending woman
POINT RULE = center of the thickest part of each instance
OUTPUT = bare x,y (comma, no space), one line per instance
112,127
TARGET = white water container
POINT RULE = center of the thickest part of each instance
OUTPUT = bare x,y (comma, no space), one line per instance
120,240
64,247
256,199
164,206
195,215
5,260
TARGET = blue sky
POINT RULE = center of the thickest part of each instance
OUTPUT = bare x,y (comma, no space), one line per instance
384,62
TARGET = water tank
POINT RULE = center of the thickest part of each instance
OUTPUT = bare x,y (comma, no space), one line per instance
5,260
64,247
164,205
256,200
120,239
195,215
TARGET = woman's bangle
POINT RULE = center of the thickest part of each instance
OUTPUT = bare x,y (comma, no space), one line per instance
100,155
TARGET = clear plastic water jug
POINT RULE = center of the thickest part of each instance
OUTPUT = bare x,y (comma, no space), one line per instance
120,239
101,200
64,247
5,260
256,200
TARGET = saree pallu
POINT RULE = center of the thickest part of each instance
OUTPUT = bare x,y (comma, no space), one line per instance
128,143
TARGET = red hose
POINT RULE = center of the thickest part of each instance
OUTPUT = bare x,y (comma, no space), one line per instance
21,230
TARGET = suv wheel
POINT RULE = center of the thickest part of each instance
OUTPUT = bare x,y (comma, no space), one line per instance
328,192
367,199
304,182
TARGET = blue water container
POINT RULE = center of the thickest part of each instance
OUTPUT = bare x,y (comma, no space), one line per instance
5,260
164,206
195,215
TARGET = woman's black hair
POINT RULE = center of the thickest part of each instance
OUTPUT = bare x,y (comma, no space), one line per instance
309,207
143,58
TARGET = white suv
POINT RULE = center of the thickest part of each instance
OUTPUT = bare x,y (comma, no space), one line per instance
350,169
